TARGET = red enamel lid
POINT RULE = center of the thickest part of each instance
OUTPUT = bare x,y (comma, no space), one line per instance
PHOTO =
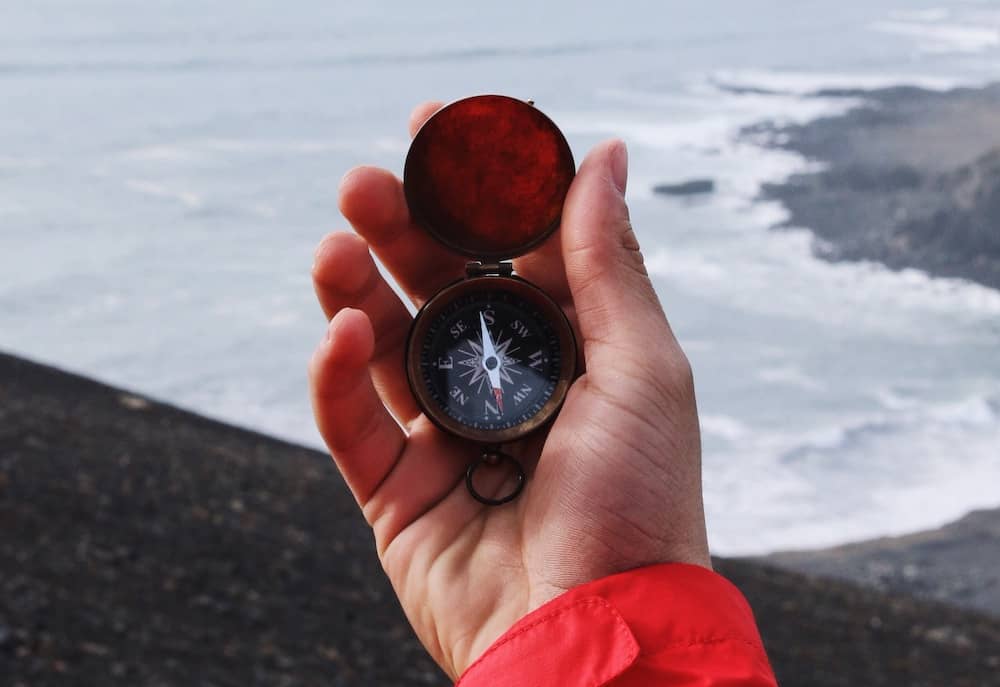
487,176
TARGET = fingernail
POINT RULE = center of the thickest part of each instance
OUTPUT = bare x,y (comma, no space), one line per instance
336,322
331,327
318,250
619,165
348,174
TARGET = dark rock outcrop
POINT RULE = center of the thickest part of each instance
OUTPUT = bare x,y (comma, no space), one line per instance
911,179
692,187
958,563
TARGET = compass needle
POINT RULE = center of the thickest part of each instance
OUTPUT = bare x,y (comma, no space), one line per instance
491,362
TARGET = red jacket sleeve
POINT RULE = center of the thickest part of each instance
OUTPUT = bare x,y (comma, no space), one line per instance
669,625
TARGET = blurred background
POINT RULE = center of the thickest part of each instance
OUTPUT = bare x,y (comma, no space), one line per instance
167,167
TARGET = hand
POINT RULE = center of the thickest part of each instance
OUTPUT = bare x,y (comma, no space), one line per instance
613,484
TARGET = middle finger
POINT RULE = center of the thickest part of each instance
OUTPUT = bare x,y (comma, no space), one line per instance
345,275
373,202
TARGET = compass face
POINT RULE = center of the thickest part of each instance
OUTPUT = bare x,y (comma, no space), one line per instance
492,359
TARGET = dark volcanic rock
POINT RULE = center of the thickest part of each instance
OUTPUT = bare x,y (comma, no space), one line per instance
142,545
693,187
958,563
911,179
823,632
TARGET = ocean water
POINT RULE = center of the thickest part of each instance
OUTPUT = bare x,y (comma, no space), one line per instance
167,167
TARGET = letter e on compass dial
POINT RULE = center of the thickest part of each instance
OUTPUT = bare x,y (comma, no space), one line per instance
493,361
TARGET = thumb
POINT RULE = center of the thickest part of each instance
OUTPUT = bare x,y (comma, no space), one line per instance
613,296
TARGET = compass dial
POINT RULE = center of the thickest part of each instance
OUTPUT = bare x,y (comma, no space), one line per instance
491,359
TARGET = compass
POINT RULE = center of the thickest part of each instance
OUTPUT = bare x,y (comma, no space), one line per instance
491,356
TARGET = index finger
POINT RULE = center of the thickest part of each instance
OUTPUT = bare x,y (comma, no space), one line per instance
373,201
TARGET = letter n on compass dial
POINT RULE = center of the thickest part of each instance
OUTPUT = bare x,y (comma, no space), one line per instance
490,360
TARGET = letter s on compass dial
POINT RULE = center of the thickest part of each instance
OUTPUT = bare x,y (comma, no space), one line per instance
491,359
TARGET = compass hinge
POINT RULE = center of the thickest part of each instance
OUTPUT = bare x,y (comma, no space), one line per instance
483,269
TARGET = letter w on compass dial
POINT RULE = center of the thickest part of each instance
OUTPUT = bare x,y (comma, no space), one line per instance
491,361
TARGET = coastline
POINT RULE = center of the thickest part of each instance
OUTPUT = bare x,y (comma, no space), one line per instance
958,563
152,545
909,178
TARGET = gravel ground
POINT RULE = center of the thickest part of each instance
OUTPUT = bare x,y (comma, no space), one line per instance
143,545
958,563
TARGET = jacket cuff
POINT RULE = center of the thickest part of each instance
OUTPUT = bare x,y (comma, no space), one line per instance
646,622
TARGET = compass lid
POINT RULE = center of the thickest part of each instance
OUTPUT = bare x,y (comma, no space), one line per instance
487,176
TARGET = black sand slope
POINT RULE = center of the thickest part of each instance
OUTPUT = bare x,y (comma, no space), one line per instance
146,546
142,545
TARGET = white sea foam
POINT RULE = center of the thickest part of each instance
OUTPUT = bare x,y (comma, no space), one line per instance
934,462
281,319
264,210
10,207
202,150
944,38
790,375
19,163
804,83
165,153
263,146
856,295
391,144
892,399
928,14
723,426
97,306
189,199
682,120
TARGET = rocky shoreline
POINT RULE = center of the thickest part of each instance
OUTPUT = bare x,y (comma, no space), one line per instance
958,563
910,178
146,545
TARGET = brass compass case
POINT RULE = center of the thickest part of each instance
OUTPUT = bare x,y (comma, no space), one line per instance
487,177
524,290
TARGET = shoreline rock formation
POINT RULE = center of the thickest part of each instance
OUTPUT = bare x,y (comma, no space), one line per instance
910,178
958,563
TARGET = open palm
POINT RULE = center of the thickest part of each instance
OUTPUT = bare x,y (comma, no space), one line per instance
613,483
